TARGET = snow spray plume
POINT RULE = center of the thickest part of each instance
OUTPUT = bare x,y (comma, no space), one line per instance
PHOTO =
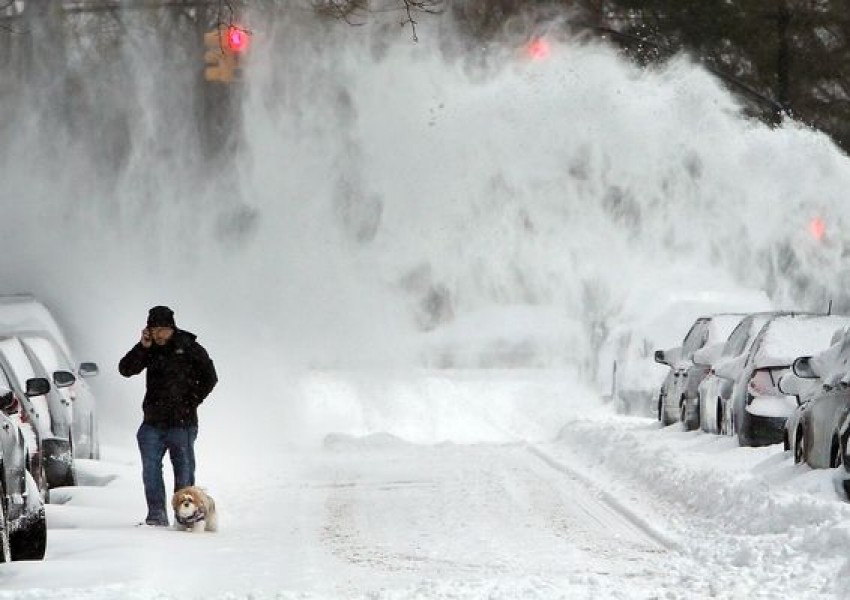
379,188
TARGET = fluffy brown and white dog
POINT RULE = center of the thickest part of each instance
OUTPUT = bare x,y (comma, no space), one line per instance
194,510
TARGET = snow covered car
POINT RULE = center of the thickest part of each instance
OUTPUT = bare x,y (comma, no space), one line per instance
758,409
33,392
72,393
23,312
713,392
657,318
23,524
819,383
680,401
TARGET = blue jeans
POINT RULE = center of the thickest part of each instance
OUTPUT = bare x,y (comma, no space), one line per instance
180,444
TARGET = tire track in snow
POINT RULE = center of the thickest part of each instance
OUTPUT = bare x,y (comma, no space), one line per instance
481,511
635,525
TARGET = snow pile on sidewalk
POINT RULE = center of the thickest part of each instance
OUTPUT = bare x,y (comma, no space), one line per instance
759,524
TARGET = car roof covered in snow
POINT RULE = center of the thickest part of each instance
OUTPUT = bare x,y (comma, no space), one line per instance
721,326
25,312
786,337
665,319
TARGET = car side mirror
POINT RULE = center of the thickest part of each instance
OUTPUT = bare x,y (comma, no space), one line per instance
88,369
37,386
790,385
661,358
802,367
63,379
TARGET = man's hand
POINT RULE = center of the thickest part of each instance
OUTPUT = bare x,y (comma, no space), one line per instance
146,340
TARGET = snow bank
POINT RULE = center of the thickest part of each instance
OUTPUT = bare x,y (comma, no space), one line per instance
767,527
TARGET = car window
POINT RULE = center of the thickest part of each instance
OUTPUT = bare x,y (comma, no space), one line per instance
696,338
4,380
738,339
835,362
22,368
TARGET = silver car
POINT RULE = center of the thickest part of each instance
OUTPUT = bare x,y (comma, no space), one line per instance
679,400
23,524
820,385
714,392
758,409
74,395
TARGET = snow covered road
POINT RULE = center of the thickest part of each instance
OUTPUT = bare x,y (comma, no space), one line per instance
604,507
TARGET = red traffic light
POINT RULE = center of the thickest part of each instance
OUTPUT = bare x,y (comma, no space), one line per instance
237,39
538,49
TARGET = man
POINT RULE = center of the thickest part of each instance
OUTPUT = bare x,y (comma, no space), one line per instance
180,375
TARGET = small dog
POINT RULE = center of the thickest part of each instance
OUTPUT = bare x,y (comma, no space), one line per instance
194,510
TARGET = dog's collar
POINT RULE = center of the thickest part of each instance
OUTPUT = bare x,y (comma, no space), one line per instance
197,516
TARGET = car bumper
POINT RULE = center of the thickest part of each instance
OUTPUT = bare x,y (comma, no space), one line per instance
763,431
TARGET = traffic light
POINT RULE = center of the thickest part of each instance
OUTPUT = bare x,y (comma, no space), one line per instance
225,48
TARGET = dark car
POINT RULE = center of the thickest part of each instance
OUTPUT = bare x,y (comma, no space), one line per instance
23,524
678,399
758,408
72,400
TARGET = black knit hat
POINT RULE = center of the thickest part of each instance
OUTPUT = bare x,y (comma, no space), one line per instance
161,316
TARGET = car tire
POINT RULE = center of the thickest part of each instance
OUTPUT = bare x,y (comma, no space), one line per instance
58,458
665,421
723,423
5,535
799,448
688,424
835,458
40,477
29,540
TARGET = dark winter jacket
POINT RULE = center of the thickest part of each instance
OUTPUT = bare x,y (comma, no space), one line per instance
180,375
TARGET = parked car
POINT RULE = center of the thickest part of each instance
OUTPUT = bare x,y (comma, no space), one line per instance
43,408
72,392
680,401
713,392
23,523
818,383
656,318
25,415
757,408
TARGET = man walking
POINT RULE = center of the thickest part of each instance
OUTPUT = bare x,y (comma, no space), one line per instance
180,375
